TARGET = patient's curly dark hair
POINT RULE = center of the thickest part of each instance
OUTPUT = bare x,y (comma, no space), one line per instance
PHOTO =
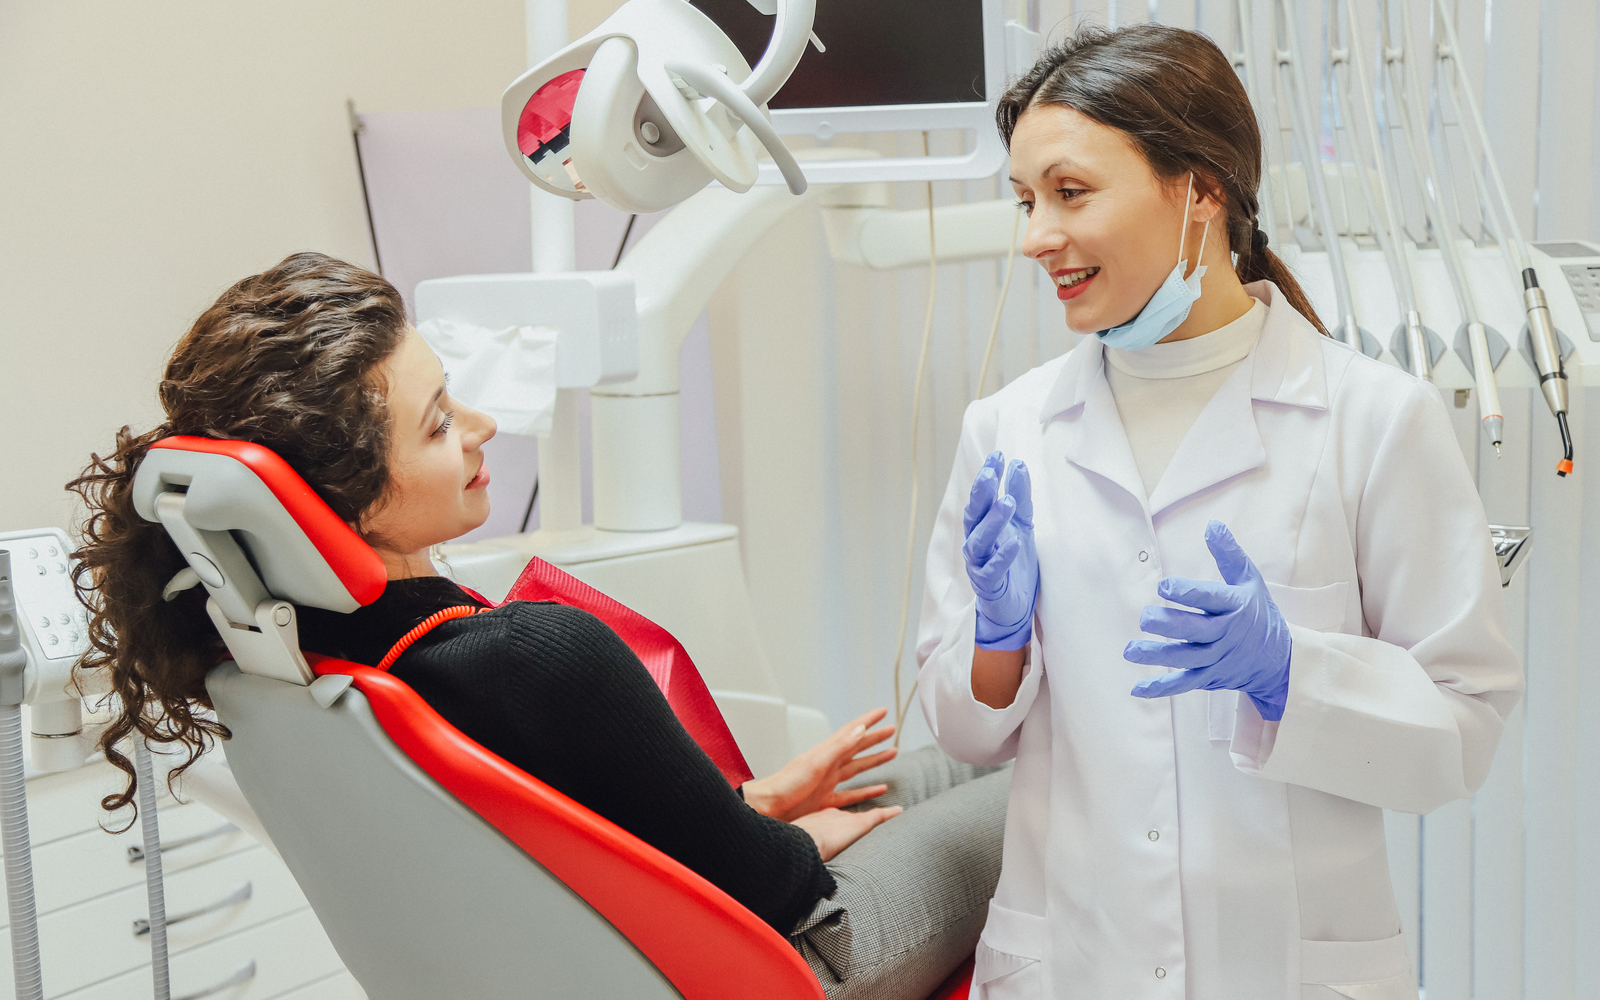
290,358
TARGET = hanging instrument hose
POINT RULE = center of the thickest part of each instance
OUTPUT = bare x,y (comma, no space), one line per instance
14,797
1542,336
902,705
153,883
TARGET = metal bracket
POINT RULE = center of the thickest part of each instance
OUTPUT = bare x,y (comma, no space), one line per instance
270,647
1511,545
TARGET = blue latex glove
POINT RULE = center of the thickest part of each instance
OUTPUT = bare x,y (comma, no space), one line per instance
1001,560
1239,641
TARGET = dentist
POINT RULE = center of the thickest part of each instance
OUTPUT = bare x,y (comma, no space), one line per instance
1199,815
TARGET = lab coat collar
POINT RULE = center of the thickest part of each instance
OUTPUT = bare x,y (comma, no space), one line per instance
1286,367
1286,364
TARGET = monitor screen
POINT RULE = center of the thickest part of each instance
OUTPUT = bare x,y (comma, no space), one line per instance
878,51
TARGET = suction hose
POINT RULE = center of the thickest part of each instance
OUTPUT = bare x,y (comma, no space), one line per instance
14,797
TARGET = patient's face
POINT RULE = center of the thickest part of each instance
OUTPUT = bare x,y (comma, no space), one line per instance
437,477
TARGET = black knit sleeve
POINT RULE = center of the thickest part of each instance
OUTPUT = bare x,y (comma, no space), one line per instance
556,692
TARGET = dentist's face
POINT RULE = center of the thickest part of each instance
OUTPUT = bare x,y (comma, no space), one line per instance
1100,221
437,478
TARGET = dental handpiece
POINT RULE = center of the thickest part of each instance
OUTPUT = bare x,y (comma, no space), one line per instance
1547,358
1417,346
1488,392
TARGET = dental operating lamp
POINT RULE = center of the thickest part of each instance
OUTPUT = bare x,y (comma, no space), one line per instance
652,106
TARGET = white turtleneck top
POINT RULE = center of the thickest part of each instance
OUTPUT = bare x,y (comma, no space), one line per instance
1161,390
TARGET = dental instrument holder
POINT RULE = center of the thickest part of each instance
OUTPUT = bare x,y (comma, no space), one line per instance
658,87
24,923
1545,349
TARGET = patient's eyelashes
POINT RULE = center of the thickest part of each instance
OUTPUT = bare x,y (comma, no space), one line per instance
444,425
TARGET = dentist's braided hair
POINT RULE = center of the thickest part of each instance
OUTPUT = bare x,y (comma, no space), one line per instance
1176,96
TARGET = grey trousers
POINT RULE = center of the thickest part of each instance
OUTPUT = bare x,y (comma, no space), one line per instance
913,894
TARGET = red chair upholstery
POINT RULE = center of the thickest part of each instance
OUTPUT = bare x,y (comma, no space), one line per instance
693,932
707,945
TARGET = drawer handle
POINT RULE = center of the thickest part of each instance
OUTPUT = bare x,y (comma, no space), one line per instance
243,974
235,896
136,851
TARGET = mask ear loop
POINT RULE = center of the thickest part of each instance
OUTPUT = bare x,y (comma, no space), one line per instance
1183,231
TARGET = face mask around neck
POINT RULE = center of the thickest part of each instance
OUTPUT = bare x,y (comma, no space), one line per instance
1171,303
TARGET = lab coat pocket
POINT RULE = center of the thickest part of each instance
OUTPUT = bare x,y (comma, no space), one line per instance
1320,609
1361,970
1007,960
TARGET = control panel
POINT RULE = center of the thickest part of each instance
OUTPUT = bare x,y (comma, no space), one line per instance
1583,278
1585,282
57,627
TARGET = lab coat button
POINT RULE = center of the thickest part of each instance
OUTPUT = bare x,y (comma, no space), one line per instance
1160,972
1144,557
1154,835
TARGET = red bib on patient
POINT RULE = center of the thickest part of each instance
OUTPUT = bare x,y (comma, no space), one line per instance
669,665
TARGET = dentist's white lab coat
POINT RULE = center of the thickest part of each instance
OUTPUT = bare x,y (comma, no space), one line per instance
1183,847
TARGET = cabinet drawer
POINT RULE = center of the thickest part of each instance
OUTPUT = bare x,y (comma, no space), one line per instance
91,941
340,987
81,867
288,952
68,802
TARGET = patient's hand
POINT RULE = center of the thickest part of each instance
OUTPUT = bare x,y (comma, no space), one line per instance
810,782
835,829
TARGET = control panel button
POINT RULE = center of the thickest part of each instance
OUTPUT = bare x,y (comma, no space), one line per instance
44,621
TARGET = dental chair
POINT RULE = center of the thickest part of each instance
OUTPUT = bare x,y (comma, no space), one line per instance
437,869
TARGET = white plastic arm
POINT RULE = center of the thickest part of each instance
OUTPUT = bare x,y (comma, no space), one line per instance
790,35
715,84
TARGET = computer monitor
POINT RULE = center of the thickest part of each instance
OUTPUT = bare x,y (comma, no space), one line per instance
890,65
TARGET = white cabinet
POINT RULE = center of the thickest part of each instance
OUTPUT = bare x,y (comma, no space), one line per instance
238,926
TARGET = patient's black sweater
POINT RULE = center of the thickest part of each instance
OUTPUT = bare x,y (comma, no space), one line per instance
556,692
